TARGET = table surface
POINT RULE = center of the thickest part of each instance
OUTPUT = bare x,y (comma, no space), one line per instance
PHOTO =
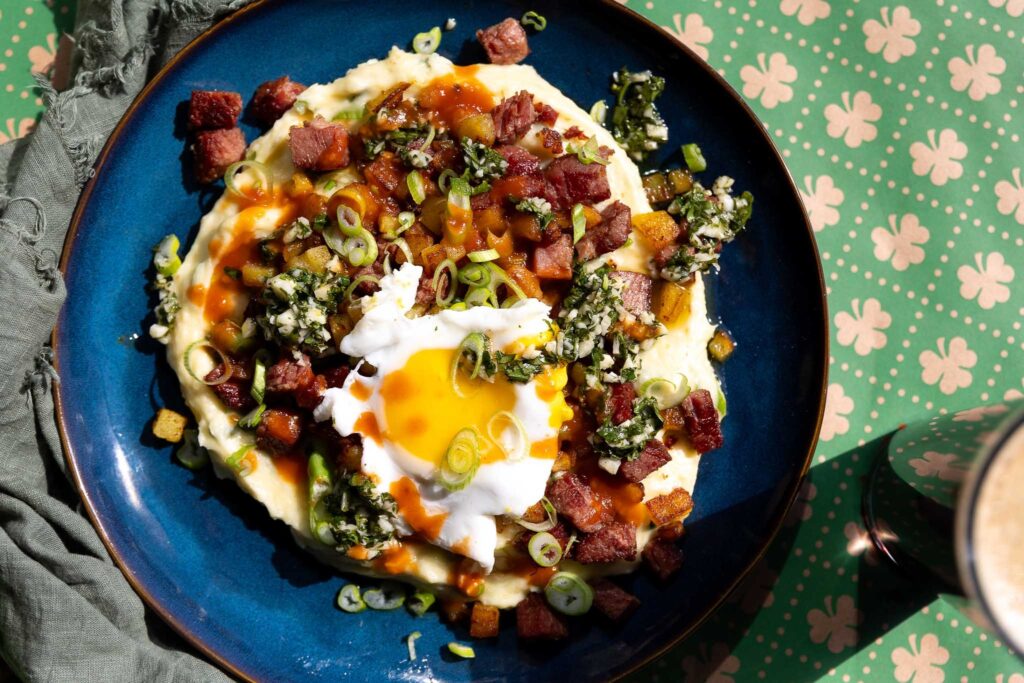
901,127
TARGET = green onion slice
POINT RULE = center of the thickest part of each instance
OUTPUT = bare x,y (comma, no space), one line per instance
444,180
410,642
662,389
190,453
349,114
350,600
263,180
207,346
495,430
460,650
252,419
721,404
405,221
351,289
417,190
320,484
599,111
459,194
483,256
590,153
427,42
481,296
404,246
475,275
240,462
547,524
569,544
473,347
259,376
694,158
545,549
579,223
502,278
569,594
461,460
389,596
534,20
165,256
453,272
419,602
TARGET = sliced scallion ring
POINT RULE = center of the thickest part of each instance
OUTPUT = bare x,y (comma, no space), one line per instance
579,223
483,255
461,460
481,296
404,247
590,153
495,430
351,289
417,190
547,524
207,346
459,194
599,111
320,484
405,221
448,266
694,158
427,42
419,602
445,179
410,642
165,256
350,600
662,389
361,249
460,650
534,20
242,461
721,404
545,549
388,596
251,420
263,182
475,275
569,594
190,453
259,376
349,114
474,346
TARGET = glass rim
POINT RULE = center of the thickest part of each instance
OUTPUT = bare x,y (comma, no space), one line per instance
964,532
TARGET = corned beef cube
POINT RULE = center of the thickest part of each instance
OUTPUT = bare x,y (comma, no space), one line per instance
579,504
513,117
615,541
273,98
505,42
208,109
652,457
319,145
612,601
535,620
664,557
214,150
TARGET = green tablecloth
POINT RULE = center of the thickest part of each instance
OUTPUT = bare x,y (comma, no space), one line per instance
901,126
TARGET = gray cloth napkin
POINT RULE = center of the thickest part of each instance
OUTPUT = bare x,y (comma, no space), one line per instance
66,611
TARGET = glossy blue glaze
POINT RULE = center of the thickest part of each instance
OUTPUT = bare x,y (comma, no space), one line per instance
209,559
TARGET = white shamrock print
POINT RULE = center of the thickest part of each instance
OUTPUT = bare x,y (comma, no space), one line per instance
1014,8
945,466
949,367
1011,197
692,32
893,38
854,121
1014,678
939,158
806,11
978,75
980,413
864,328
770,80
988,282
839,626
920,665
837,406
900,244
821,201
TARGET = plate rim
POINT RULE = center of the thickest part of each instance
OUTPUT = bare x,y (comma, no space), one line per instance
70,241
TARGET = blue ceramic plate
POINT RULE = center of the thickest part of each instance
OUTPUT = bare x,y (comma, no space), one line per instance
211,562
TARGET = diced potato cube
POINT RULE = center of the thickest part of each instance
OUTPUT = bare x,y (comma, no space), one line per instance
483,622
315,260
657,228
563,462
721,346
479,127
670,507
256,274
680,180
299,185
671,302
169,425
657,188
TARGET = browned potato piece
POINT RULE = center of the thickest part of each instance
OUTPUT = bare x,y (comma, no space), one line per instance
314,260
483,622
169,425
680,180
670,507
563,462
432,213
256,275
657,228
298,185
671,302
479,127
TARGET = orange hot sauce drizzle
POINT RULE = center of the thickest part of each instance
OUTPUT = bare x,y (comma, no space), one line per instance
410,506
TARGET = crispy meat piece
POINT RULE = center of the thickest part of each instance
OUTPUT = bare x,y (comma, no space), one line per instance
608,235
319,145
619,402
546,114
209,109
309,397
652,457
520,162
335,377
513,117
663,556
535,620
553,261
578,503
615,541
233,393
279,430
574,182
551,140
505,42
384,174
636,297
289,375
612,601
574,133
483,622
214,150
702,421
273,98
670,507
454,611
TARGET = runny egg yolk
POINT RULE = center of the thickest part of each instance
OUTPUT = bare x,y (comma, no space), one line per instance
423,413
